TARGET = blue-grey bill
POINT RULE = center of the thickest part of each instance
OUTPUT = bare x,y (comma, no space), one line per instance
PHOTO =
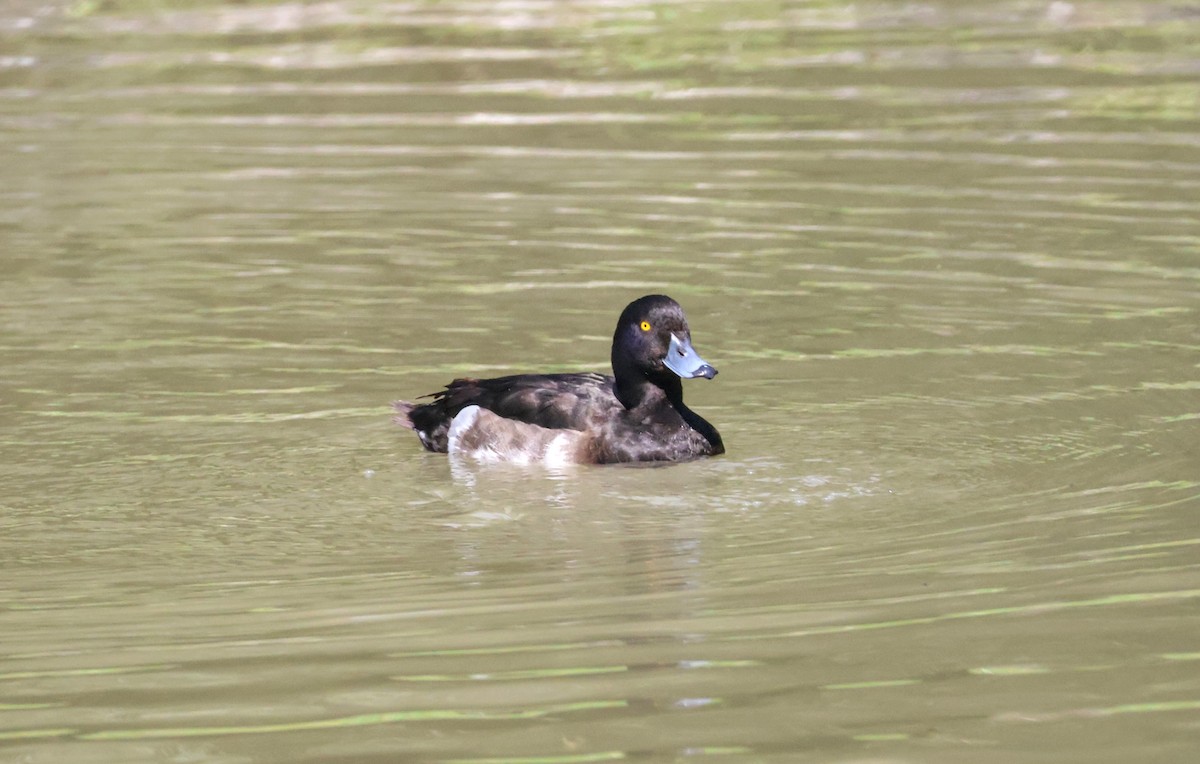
686,362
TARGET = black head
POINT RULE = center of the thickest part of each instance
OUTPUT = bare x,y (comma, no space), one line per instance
653,344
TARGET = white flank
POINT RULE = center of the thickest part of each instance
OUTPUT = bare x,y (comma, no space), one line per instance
475,432
464,420
558,451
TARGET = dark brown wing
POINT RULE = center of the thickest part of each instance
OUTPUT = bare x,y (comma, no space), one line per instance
555,401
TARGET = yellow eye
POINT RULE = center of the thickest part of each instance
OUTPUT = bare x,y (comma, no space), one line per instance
645,326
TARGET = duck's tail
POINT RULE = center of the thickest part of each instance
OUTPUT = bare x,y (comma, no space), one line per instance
403,415
429,421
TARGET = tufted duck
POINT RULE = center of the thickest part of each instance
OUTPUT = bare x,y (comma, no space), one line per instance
636,415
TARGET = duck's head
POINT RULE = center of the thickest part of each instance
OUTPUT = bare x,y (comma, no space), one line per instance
653,343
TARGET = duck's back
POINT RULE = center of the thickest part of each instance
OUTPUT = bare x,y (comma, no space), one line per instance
555,401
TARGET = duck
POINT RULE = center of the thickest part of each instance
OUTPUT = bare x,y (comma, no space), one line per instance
636,414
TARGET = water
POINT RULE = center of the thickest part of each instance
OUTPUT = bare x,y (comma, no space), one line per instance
945,257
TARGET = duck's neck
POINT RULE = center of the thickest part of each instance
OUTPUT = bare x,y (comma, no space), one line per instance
636,391
647,395
635,387
647,400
